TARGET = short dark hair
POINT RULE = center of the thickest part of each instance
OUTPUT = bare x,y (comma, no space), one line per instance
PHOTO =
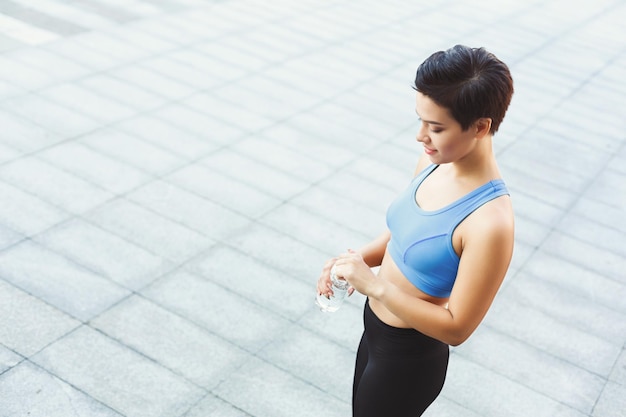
470,82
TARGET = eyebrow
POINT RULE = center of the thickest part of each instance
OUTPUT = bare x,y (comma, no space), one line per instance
430,122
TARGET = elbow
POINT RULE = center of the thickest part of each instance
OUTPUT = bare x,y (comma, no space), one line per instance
457,337
456,341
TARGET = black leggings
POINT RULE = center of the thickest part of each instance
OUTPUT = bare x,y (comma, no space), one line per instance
399,372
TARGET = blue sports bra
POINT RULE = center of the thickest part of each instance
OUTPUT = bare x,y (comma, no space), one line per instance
421,241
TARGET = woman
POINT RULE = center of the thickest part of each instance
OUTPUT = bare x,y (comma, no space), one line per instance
449,240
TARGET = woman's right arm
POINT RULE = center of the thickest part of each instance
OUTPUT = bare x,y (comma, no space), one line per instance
374,251
372,254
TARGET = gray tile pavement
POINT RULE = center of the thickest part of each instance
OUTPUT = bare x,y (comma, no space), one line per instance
173,174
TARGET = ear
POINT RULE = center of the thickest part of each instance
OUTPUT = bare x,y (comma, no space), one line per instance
483,127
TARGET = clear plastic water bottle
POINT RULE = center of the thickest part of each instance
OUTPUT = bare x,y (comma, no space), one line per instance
340,289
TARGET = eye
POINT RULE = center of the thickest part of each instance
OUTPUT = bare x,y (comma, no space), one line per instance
436,130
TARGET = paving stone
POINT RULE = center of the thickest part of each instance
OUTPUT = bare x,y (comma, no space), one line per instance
190,30
350,186
296,164
82,101
152,81
298,259
28,324
63,284
232,114
53,185
126,148
326,236
540,371
213,406
575,310
530,232
145,41
23,135
577,279
168,137
191,77
561,153
163,237
329,131
262,390
8,237
195,212
9,43
40,20
528,206
387,166
586,254
237,143
70,12
594,233
336,207
253,280
115,375
243,322
171,341
221,51
546,333
116,13
350,118
555,195
105,253
443,407
608,188
105,44
241,98
8,359
211,67
70,48
314,358
307,143
344,326
42,394
265,179
25,213
22,75
159,28
283,93
490,394
612,402
61,68
93,166
619,370
600,212
204,125
8,89
58,119
224,190
123,92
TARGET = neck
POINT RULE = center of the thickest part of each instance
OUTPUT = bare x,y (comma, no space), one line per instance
479,163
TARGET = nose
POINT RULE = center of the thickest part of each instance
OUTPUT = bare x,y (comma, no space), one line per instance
422,133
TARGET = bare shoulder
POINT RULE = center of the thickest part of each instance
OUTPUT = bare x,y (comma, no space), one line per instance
493,221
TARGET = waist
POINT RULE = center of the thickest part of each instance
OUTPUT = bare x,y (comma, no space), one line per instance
383,336
389,271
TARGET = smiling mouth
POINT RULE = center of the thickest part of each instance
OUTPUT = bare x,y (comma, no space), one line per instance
428,150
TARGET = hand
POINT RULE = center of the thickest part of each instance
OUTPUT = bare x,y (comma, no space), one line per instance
351,267
324,285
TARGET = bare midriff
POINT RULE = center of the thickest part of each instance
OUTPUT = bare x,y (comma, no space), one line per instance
390,272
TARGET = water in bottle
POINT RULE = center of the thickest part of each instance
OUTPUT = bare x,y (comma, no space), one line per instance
340,289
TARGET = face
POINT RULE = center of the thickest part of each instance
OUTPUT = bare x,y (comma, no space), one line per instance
443,139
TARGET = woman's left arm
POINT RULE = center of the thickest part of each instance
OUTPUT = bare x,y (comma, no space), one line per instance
487,248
